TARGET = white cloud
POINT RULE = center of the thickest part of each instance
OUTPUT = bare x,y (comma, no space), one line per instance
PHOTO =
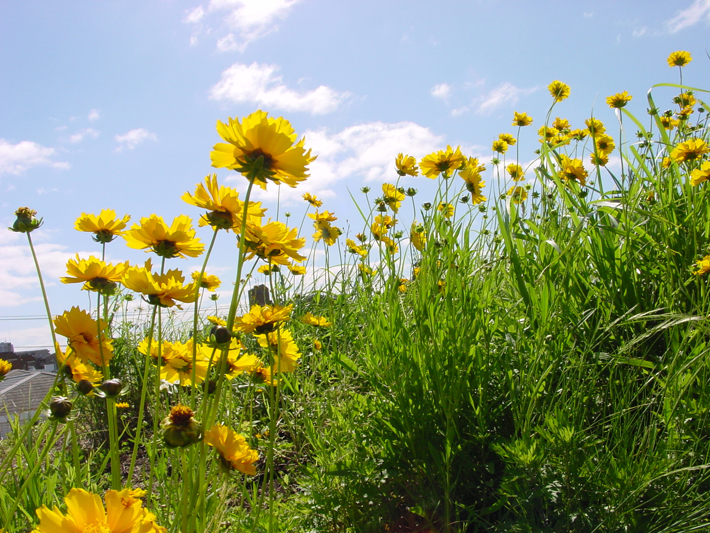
16,158
699,10
259,84
83,134
506,94
133,138
588,15
442,90
94,115
43,190
639,32
245,20
367,151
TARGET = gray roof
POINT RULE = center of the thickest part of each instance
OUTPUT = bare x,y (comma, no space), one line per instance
22,391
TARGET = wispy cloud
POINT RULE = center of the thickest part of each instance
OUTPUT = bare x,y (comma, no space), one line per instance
699,10
83,134
133,138
243,20
94,115
505,95
16,158
259,84
442,91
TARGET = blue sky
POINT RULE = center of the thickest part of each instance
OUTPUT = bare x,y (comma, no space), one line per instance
114,104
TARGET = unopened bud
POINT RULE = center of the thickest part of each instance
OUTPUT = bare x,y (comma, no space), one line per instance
26,221
59,407
111,387
179,428
84,386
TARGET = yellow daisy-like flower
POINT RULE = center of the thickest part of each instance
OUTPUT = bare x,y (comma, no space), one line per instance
600,159
225,208
618,100
561,124
82,333
558,90
324,230
5,367
518,194
217,321
702,266
312,199
261,320
211,283
177,363
267,270
446,209
178,240
105,227
472,177
297,270
283,348
521,119
392,197
689,150
508,139
578,135
274,242
515,171
80,371
442,162
382,225
262,149
96,275
595,127
547,133
365,270
312,320
701,174
572,169
406,165
161,289
685,100
417,236
123,405
679,59
123,513
317,345
500,146
605,144
391,246
353,248
232,448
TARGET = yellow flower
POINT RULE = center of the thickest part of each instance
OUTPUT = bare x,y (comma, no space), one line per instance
80,371
353,248
124,513
95,274
225,208
82,333
600,159
702,266
317,345
365,270
177,367
236,362
561,124
312,320
417,236
666,162
216,321
572,169
211,283
392,196
515,171
274,242
390,244
233,450
521,119
106,227
604,143
402,285
5,367
689,150
176,241
123,405
500,146
618,100
558,90
267,270
382,225
312,199
297,270
161,289
260,320
284,349
701,174
578,134
262,148
518,194
679,59
323,228
547,133
446,209
406,165
507,138
471,175
442,162
595,127
685,100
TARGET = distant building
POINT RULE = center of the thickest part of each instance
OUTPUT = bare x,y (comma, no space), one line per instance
21,394
28,360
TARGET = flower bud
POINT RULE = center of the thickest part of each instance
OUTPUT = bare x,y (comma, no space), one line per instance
84,386
179,428
111,387
411,191
26,221
221,334
59,408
